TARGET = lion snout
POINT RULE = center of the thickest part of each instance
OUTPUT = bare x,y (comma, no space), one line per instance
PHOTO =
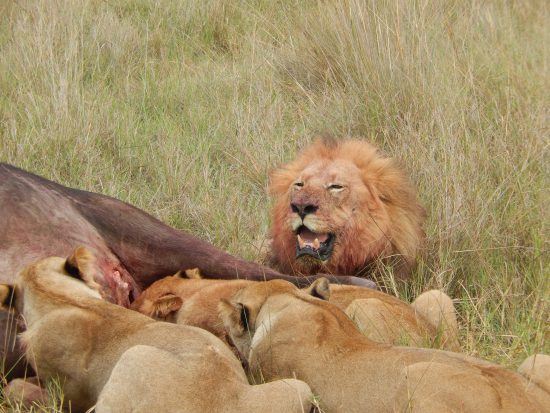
303,208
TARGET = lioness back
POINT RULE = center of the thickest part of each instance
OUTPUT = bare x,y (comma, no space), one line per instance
178,382
290,331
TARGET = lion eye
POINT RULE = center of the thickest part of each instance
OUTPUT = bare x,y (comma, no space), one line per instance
298,184
335,187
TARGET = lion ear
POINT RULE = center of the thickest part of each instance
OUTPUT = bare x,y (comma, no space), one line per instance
166,305
320,288
190,274
235,316
7,296
82,265
193,274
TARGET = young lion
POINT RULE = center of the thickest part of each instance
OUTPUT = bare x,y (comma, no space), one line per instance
75,335
430,320
283,331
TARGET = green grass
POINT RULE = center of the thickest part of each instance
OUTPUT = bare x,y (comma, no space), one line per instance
182,108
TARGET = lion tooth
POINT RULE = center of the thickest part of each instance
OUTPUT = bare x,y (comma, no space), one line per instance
301,242
316,244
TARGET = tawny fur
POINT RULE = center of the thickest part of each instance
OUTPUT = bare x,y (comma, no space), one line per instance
380,316
75,335
291,333
145,369
375,215
195,301
537,369
438,308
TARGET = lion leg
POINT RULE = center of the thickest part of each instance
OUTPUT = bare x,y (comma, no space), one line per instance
438,309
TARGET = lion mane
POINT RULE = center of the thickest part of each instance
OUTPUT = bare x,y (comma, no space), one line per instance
342,206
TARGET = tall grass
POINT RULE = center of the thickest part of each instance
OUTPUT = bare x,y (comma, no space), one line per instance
182,108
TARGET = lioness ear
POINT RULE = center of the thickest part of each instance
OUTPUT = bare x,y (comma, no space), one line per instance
235,316
166,305
81,265
320,288
193,274
7,296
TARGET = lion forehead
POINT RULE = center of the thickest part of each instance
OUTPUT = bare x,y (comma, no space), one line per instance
334,171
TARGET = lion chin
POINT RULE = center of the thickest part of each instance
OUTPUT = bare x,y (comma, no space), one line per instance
339,207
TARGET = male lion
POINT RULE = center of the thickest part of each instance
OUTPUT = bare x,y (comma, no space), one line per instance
429,320
73,334
283,331
341,205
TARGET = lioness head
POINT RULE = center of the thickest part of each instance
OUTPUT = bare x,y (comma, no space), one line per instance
244,315
71,277
341,205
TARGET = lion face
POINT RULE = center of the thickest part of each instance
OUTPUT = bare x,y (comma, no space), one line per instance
246,316
324,201
339,207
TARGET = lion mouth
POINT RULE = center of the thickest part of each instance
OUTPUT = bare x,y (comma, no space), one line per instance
316,245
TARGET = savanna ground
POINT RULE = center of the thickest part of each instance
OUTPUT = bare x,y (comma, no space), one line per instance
183,107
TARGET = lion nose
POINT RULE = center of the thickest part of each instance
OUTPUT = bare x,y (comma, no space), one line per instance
303,209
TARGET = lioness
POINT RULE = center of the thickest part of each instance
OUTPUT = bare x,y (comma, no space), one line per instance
430,320
144,370
284,332
73,334
339,207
